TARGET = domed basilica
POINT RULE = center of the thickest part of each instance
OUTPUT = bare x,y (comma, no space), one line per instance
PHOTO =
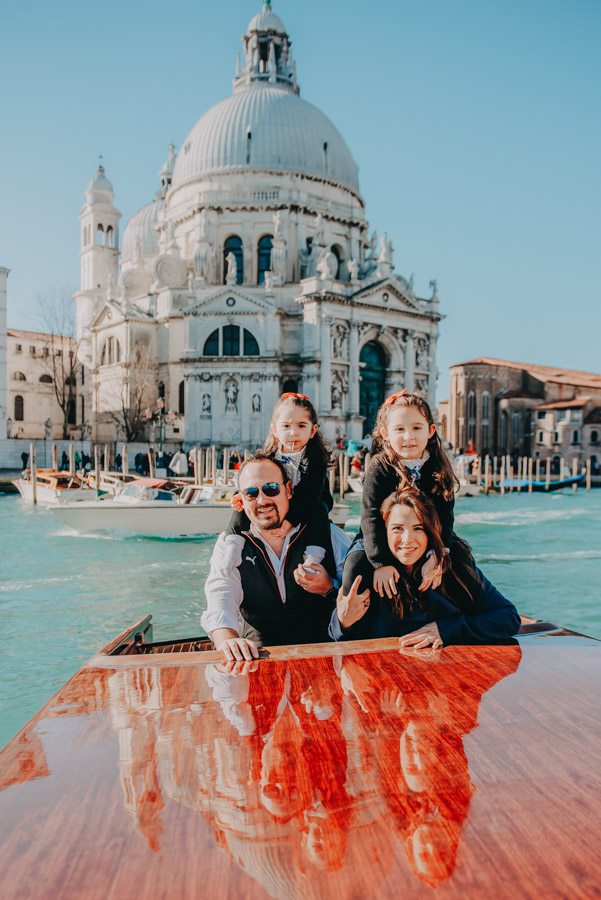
252,272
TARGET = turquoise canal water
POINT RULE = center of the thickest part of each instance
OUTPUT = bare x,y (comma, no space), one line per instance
64,596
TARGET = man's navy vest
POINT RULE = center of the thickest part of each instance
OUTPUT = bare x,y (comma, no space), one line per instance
265,618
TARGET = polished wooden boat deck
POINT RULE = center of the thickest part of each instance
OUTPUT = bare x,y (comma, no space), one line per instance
330,771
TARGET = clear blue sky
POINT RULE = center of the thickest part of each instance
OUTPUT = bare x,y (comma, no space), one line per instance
475,125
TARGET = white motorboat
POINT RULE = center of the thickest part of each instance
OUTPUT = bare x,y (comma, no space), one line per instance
158,508
53,487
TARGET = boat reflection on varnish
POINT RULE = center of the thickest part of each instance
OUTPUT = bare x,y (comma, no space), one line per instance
323,776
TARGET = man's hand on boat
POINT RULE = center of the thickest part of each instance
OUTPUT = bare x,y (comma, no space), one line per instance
232,645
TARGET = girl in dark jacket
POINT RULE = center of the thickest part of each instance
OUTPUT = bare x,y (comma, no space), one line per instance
406,452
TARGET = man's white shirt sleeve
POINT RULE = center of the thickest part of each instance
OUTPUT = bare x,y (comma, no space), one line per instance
223,593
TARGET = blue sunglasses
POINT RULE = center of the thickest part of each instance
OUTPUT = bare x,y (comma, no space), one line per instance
271,489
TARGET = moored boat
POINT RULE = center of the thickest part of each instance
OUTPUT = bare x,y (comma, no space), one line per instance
319,771
161,508
53,486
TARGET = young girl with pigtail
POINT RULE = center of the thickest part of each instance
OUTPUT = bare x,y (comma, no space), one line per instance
295,440
406,452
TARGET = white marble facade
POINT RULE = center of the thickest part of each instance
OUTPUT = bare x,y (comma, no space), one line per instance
251,272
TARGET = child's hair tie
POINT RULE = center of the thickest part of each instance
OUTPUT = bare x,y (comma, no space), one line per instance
292,394
394,397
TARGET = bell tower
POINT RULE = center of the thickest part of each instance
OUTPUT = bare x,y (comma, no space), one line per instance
99,250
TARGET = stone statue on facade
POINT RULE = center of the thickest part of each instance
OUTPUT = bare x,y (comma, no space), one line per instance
231,397
47,429
268,280
139,254
319,239
206,404
434,286
336,396
327,265
9,427
353,268
232,268
421,353
256,403
339,341
277,225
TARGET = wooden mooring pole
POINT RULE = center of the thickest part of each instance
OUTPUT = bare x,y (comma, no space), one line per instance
34,474
71,459
588,474
97,468
55,458
124,460
574,474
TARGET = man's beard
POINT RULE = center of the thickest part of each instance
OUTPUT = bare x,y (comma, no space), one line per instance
267,524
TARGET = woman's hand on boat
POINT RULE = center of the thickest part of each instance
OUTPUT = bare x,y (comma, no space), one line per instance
352,606
426,636
431,573
385,579
236,502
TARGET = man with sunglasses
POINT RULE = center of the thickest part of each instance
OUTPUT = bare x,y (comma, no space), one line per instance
269,596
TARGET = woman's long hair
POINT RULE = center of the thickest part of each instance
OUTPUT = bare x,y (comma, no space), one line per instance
460,583
445,480
317,449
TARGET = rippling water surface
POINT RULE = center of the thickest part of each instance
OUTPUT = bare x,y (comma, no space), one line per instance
64,596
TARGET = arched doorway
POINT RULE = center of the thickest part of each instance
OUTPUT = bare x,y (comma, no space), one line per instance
373,383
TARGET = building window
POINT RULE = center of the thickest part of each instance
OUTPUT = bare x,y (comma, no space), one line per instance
576,416
71,411
83,378
471,405
556,437
211,347
19,376
541,414
111,352
231,340
18,408
100,236
58,352
182,398
45,351
594,436
18,348
264,257
504,430
161,390
516,427
484,437
471,432
251,348
82,404
290,386
110,237
46,379
32,351
225,341
485,404
233,245
337,251
576,436
560,415
540,439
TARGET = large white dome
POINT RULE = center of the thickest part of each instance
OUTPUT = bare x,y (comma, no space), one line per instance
285,133
141,228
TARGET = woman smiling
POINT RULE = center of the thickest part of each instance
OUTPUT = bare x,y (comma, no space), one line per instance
465,609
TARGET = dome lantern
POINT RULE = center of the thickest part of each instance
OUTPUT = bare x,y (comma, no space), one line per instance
267,56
